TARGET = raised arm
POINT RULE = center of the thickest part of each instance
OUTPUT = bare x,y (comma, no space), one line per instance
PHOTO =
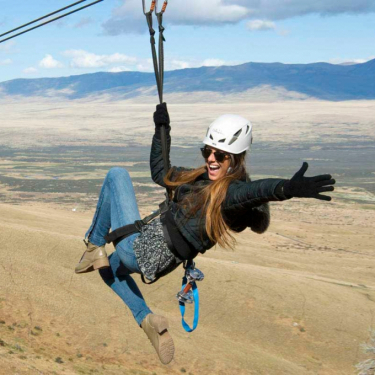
161,117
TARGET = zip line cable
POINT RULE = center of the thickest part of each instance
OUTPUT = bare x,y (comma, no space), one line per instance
42,18
47,22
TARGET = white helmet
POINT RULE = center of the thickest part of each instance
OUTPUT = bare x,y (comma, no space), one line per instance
230,133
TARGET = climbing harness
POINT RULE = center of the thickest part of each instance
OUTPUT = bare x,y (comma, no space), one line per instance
47,22
189,294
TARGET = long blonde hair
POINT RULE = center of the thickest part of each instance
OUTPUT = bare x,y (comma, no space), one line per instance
209,198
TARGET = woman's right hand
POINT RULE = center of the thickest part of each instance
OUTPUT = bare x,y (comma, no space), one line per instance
161,116
308,187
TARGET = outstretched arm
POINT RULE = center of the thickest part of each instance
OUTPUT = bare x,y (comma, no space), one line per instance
243,196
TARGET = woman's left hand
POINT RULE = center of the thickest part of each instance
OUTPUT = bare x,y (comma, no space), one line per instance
309,187
161,116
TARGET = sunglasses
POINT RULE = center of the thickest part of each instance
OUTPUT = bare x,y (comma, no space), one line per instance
220,156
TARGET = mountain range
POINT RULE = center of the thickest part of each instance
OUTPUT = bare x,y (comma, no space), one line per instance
317,80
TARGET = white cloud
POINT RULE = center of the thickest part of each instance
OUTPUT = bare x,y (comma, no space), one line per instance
261,25
213,62
119,69
341,61
183,64
30,70
129,18
146,65
178,64
284,9
84,59
50,63
5,62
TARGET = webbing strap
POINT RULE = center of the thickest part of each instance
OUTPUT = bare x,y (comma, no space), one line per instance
196,307
161,53
120,233
158,62
154,56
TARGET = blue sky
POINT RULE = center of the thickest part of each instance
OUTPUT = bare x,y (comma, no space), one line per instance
112,35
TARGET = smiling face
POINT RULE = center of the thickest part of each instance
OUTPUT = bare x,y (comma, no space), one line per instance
217,170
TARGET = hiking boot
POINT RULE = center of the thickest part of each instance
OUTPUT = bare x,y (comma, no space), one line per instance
156,329
94,258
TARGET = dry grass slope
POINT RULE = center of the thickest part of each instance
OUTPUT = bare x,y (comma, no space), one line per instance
297,300
285,304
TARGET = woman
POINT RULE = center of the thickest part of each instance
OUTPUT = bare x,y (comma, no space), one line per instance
208,203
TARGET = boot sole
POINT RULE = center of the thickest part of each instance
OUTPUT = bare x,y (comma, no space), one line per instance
166,346
97,265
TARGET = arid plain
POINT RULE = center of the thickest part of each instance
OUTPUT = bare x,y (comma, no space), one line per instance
299,299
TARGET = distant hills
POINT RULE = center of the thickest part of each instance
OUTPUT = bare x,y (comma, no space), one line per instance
319,80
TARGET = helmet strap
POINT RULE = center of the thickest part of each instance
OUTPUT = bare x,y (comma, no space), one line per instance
230,169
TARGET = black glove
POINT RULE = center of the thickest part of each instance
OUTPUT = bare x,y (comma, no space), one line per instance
308,187
161,116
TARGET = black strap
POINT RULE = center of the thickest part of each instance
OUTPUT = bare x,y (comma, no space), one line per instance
167,237
161,53
158,62
120,233
154,55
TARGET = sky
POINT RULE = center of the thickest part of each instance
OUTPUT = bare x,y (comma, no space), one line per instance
112,36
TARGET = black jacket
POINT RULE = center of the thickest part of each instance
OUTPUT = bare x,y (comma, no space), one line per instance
245,204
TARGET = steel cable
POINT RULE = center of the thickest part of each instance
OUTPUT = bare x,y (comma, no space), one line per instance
47,22
41,18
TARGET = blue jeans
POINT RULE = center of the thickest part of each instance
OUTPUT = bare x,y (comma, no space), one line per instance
117,207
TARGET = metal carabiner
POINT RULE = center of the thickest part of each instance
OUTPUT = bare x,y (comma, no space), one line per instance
192,275
163,8
152,7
